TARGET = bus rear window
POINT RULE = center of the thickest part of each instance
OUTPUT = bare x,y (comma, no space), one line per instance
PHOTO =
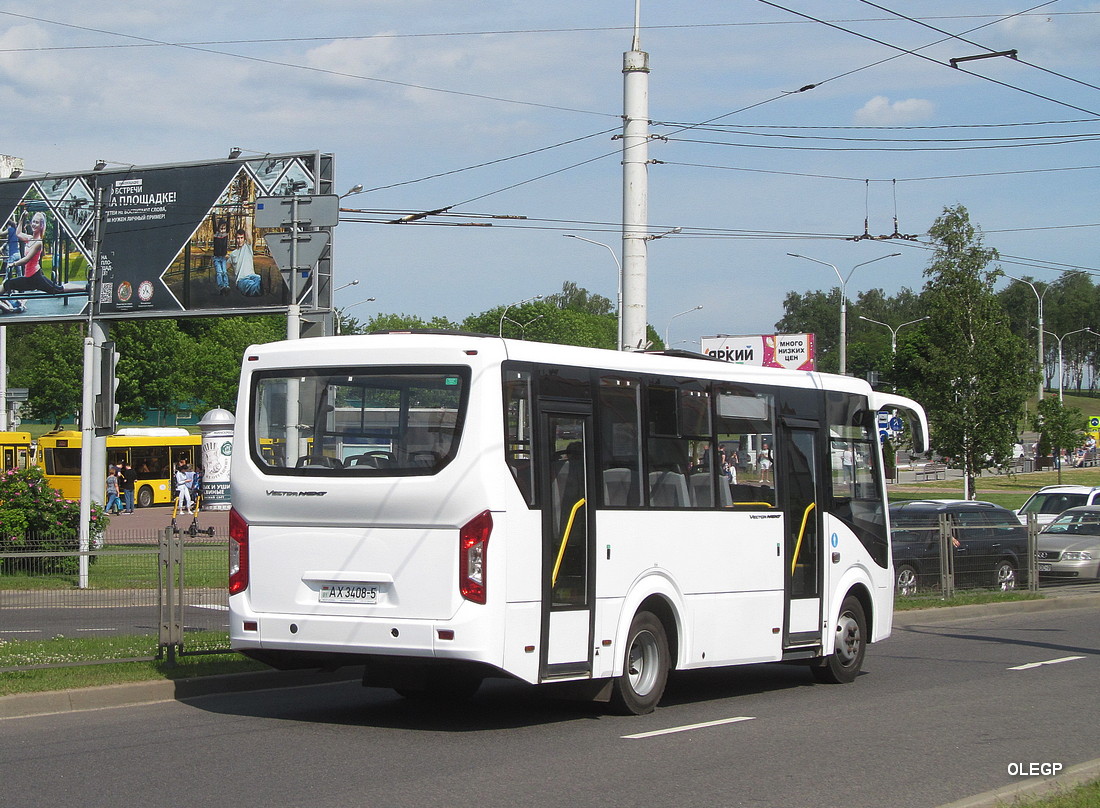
356,421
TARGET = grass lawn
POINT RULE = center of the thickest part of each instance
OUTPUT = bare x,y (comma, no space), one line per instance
132,567
65,663
1008,490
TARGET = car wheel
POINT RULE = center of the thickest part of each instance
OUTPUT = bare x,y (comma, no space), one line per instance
850,645
1004,576
645,667
144,496
905,577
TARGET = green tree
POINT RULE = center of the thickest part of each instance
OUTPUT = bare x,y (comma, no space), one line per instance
972,375
577,298
391,322
1059,427
48,359
150,375
213,352
816,313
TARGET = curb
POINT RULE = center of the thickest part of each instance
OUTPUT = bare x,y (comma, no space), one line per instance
28,705
947,614
1047,787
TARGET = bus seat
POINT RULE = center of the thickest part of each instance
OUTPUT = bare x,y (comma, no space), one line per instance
668,489
617,485
702,492
318,462
372,460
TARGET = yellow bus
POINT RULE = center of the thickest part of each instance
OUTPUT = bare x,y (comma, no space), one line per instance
152,453
16,449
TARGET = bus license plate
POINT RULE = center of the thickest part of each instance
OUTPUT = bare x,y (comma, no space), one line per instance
1044,568
348,593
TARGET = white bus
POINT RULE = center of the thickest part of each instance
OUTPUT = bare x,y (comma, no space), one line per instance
442,508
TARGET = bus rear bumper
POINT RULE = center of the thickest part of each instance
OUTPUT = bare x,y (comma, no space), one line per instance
288,640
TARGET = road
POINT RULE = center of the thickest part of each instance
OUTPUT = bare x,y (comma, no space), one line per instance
941,712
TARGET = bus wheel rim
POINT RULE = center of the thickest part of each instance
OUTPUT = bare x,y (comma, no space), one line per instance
642,663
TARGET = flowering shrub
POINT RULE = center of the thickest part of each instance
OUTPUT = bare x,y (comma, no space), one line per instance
35,518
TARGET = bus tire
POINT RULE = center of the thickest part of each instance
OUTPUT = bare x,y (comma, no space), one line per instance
144,496
843,664
645,667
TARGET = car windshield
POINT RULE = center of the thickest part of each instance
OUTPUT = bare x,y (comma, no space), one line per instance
1084,524
1053,502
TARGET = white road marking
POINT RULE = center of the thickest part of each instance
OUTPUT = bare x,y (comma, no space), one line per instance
1048,662
689,727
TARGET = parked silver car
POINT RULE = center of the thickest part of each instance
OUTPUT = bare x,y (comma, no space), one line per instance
1068,549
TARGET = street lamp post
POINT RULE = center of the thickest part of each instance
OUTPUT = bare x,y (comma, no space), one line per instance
843,300
1039,298
500,332
1061,366
894,331
343,309
618,291
681,314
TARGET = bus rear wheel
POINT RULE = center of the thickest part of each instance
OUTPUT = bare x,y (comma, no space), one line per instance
849,646
645,667
144,496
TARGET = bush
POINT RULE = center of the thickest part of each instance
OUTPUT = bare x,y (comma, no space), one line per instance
35,518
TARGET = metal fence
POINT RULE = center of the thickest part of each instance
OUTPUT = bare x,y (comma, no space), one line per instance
144,595
942,560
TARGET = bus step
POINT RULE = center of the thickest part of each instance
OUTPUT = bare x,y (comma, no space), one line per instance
801,652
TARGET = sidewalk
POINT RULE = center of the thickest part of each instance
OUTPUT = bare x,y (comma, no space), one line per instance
149,523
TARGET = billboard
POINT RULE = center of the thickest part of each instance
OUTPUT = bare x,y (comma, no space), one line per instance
173,240
791,351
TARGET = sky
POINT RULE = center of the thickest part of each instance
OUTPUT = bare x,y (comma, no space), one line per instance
787,127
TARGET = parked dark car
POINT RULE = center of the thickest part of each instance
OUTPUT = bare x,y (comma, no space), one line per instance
990,544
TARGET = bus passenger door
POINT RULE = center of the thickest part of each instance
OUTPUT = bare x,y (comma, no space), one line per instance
798,491
568,587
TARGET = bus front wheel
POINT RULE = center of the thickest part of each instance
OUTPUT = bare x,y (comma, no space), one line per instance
144,496
645,667
849,646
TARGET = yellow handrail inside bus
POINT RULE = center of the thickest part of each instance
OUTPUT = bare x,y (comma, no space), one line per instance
565,540
801,533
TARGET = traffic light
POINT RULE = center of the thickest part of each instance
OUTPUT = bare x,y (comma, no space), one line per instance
106,410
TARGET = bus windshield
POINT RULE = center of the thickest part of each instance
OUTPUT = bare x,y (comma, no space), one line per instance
375,422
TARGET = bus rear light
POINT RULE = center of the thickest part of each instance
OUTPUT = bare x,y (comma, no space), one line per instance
251,625
445,633
473,545
238,553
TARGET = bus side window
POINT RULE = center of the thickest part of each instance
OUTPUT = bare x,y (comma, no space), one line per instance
518,449
618,452
745,428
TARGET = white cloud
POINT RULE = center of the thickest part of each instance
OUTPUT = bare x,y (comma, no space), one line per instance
880,111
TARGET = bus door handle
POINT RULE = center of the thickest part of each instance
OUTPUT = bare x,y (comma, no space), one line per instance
836,558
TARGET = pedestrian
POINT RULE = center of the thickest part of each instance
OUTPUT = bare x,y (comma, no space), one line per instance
126,485
196,486
183,487
112,505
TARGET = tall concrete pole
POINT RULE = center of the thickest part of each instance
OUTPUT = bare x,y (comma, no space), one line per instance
635,191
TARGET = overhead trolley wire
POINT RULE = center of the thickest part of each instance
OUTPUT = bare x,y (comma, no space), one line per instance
914,52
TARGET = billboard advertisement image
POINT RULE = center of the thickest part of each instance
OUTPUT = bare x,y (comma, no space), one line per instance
791,351
172,240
